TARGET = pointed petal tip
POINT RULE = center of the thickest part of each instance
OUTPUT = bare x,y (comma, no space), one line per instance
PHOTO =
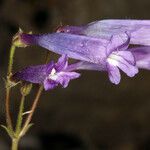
49,84
114,74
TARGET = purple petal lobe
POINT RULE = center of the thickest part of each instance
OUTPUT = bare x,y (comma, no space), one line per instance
118,43
127,55
123,62
62,63
114,74
50,84
63,78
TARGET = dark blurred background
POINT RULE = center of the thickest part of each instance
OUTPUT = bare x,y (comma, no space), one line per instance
91,114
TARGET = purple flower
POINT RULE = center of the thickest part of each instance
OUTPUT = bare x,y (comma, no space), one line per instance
50,75
139,30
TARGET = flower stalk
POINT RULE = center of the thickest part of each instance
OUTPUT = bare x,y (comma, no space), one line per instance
15,144
8,88
19,119
12,52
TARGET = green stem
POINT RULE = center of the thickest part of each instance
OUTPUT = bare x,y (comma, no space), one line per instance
7,102
19,119
11,56
15,144
15,140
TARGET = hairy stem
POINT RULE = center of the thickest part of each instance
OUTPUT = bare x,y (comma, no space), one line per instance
7,101
19,119
11,56
7,105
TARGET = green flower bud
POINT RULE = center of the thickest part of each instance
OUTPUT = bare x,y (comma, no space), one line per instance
17,40
25,90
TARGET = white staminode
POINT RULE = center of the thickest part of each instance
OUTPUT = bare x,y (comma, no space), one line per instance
53,75
53,72
113,59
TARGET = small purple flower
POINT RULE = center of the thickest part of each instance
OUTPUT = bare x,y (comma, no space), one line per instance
139,30
50,75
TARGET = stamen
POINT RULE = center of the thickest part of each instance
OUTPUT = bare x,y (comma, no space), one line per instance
53,74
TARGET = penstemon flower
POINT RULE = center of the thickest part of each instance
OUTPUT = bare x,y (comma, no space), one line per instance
50,75
138,29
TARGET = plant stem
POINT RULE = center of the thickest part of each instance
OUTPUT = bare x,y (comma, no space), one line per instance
33,107
19,119
7,102
15,144
11,56
16,138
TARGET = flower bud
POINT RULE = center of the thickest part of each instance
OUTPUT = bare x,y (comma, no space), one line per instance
25,90
17,41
